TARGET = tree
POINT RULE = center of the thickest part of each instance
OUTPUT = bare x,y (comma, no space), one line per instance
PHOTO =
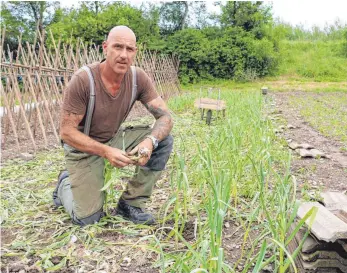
177,15
33,13
92,23
251,16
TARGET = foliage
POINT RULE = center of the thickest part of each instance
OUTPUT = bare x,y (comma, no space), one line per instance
282,30
250,16
234,172
22,18
14,27
318,61
89,25
326,113
177,15
242,44
344,45
33,13
231,53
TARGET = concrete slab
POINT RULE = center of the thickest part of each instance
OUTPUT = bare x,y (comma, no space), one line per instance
324,263
332,255
311,153
294,145
306,146
334,200
312,244
326,226
316,153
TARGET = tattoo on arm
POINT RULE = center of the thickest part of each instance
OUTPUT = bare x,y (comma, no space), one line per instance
163,125
69,119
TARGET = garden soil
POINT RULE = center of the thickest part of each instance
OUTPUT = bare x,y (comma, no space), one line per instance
318,173
323,174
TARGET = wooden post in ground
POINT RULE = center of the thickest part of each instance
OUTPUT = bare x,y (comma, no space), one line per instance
9,114
45,103
27,125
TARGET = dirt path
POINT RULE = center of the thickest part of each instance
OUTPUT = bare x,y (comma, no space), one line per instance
324,173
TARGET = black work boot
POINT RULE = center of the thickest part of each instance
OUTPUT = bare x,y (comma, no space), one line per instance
134,214
62,175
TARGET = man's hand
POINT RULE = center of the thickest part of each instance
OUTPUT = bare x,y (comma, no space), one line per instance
118,158
143,150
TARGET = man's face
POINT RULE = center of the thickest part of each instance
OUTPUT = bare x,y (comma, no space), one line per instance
120,51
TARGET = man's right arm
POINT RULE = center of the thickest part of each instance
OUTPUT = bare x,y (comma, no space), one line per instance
73,137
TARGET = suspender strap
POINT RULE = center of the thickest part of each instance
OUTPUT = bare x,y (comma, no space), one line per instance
133,91
91,103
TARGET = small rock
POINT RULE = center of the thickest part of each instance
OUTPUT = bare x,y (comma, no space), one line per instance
316,153
233,246
73,239
306,146
227,225
126,262
311,153
293,145
26,156
268,268
289,126
305,153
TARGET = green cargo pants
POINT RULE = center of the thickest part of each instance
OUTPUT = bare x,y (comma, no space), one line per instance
80,193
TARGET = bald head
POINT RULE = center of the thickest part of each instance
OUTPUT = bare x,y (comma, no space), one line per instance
123,31
120,50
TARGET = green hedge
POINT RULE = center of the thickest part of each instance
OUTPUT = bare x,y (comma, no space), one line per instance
229,53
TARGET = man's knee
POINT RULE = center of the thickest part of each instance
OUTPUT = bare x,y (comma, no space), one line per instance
92,219
166,143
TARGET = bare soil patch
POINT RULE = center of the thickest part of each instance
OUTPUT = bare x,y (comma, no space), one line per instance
323,173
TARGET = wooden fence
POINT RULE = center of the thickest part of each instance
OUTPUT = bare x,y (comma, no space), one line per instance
33,78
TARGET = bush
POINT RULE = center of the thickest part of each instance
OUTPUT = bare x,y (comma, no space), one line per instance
229,53
344,46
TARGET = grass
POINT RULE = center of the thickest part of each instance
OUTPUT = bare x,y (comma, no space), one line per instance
320,61
327,112
234,171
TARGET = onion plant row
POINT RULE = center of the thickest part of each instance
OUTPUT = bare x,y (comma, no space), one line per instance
233,171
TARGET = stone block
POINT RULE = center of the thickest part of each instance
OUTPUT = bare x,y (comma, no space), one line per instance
26,156
326,226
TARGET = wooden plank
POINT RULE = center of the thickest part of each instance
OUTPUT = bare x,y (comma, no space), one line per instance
326,225
211,104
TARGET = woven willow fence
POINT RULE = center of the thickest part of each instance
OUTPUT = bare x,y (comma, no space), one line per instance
33,79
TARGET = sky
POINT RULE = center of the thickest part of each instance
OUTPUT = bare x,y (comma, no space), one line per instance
295,12
310,12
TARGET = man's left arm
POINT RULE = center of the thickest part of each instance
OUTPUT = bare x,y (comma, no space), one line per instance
163,125
161,129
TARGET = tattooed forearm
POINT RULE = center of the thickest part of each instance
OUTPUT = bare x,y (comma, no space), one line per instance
162,127
164,123
157,112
